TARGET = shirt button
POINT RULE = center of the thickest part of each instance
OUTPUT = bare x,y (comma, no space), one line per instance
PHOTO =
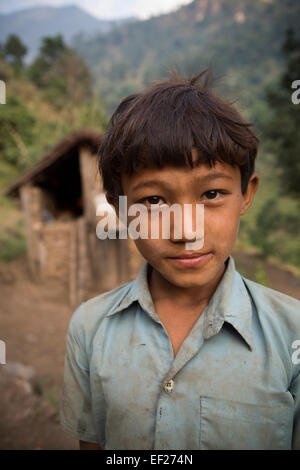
168,387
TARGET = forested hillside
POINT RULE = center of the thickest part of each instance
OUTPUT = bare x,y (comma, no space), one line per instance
240,38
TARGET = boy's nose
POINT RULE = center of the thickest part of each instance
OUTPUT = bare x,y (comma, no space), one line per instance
190,228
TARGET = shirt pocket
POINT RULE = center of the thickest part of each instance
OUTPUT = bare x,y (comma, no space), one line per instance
232,425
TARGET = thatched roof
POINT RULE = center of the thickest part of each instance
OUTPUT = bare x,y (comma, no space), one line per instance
88,137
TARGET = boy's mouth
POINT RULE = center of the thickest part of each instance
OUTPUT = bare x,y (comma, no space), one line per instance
190,259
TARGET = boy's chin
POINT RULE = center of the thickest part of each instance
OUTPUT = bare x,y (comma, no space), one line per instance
189,281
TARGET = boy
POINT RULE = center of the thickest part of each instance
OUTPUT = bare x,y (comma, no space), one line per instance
190,355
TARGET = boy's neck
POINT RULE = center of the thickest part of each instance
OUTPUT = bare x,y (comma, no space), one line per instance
162,291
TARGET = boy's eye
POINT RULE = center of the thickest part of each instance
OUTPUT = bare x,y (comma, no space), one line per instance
153,200
212,194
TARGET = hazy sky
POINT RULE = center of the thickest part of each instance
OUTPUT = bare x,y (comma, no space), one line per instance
102,8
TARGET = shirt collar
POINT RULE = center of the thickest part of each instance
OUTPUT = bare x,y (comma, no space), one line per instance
230,302
138,291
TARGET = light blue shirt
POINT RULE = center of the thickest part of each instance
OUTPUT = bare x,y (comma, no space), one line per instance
232,385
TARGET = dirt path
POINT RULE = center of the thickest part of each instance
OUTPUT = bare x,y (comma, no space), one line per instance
33,323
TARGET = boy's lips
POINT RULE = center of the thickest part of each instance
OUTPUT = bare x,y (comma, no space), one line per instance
189,254
190,258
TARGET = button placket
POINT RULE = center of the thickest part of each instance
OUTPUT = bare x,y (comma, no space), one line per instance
165,411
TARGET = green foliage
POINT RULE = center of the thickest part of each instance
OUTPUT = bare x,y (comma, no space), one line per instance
14,51
275,227
246,50
12,242
6,70
2,56
277,230
283,127
50,50
36,118
52,47
91,113
61,73
261,275
16,131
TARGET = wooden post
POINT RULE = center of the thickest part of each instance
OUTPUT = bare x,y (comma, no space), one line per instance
83,270
91,186
31,204
73,266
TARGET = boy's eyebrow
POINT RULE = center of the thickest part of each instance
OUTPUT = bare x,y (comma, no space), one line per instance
216,175
209,177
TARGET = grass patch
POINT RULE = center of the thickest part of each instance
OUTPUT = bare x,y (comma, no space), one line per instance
12,241
261,275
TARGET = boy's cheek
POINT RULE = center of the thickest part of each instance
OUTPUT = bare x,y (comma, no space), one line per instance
222,226
153,249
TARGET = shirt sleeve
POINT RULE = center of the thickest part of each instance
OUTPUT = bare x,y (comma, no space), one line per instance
295,391
75,407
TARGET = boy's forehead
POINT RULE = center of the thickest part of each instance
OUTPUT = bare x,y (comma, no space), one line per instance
173,175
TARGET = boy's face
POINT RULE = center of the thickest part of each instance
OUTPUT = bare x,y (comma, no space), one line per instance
218,189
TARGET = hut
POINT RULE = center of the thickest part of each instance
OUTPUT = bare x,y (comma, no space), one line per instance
59,197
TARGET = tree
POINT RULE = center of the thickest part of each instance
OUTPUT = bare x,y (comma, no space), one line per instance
52,47
16,132
14,51
61,72
2,56
283,127
50,50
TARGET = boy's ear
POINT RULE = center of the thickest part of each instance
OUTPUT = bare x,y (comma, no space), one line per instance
249,194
